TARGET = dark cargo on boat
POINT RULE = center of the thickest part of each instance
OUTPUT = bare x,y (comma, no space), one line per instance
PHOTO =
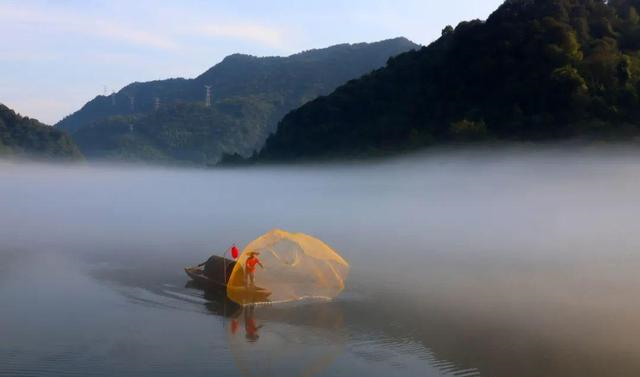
214,273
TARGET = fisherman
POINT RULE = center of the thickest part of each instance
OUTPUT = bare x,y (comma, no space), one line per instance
250,268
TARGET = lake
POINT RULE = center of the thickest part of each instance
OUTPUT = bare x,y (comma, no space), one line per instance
505,261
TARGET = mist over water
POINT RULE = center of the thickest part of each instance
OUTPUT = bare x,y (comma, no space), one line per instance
493,262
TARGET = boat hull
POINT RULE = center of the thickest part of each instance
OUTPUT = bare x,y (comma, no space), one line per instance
247,294
197,275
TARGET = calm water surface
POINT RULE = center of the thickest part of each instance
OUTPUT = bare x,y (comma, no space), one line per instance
511,262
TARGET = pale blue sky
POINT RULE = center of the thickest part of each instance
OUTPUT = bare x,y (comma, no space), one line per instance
57,55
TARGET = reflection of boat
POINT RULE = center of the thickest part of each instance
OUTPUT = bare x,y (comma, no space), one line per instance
302,339
217,301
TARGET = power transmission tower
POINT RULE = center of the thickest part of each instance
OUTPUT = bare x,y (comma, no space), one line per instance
113,98
132,102
207,101
156,103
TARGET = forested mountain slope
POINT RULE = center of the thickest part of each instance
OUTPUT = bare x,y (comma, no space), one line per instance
169,119
534,70
25,137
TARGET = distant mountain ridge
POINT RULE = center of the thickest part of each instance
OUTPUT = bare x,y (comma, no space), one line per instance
168,119
25,137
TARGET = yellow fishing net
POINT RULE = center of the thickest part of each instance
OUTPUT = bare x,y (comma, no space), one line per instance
292,266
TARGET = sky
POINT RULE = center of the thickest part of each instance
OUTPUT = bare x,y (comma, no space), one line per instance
57,55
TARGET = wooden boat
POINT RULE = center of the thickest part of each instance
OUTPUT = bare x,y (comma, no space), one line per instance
198,276
250,295
217,276
214,273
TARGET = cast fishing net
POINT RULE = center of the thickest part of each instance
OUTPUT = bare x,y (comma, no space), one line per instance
296,266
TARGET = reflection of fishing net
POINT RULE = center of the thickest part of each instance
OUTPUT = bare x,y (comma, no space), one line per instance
296,266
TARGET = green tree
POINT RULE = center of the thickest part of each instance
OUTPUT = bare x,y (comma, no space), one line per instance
468,130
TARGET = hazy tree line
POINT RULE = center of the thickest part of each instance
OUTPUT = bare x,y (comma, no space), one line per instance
25,137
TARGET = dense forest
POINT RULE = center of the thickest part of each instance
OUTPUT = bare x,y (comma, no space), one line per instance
534,70
25,137
168,120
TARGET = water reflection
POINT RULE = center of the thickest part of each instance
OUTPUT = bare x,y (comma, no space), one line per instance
250,326
217,301
303,340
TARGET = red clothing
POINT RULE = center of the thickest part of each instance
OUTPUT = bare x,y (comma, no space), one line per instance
234,326
250,327
251,264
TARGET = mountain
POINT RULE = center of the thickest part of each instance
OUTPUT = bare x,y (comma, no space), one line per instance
25,137
169,120
534,70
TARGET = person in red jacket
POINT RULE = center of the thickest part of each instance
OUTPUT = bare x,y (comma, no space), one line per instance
250,268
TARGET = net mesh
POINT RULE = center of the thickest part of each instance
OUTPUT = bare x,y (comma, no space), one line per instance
294,266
